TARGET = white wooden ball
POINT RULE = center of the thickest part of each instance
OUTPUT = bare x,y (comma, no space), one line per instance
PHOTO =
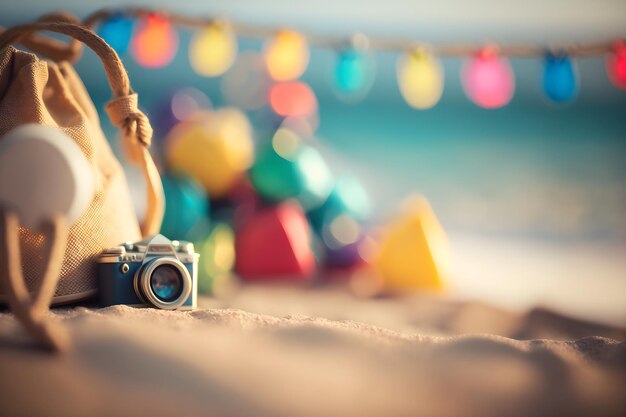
43,173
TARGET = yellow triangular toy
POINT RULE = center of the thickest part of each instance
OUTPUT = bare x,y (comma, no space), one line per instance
413,252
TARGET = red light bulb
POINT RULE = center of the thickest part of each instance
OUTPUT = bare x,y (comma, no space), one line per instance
616,64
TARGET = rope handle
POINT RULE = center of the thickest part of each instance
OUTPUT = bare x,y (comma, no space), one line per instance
122,110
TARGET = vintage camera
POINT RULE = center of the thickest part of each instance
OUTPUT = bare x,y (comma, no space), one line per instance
155,271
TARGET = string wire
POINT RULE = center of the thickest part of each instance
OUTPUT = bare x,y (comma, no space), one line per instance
577,50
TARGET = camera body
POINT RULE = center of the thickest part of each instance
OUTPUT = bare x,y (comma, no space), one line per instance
155,272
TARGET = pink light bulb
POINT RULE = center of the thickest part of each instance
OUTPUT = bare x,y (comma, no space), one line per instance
488,79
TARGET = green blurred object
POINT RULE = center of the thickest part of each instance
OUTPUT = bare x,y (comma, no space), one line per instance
217,257
299,172
186,206
347,197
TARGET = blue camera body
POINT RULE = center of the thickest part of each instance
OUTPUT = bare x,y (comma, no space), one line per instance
156,272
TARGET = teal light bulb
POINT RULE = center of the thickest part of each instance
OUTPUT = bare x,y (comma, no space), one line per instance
353,74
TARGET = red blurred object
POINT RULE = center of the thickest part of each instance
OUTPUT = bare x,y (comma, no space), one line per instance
155,41
616,64
274,244
293,99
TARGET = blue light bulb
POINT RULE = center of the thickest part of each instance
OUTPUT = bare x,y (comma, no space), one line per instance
559,78
117,31
353,74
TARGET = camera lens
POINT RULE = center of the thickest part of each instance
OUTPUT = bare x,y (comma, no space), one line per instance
163,282
166,283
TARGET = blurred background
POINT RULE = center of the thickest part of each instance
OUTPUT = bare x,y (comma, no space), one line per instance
532,195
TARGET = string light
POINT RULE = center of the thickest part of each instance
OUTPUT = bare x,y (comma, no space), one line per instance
286,55
117,30
616,64
213,49
155,41
354,73
420,79
559,78
488,79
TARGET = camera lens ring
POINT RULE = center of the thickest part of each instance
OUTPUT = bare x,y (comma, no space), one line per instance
145,292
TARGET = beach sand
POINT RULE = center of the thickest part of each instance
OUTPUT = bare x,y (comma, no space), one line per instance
266,351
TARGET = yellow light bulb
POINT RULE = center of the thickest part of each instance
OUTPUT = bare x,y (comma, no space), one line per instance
420,78
213,50
286,55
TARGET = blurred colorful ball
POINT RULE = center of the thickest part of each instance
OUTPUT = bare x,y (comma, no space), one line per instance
215,147
213,49
286,55
186,206
559,78
217,258
290,169
117,31
488,79
155,41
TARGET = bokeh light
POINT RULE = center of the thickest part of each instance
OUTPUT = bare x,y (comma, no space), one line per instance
247,83
347,197
177,107
293,98
420,79
616,64
217,259
213,49
343,230
559,78
155,41
286,55
117,31
291,169
488,79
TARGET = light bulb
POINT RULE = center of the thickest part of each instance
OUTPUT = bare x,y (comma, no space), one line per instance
488,79
559,78
616,64
420,78
213,50
155,42
293,98
286,55
117,30
354,73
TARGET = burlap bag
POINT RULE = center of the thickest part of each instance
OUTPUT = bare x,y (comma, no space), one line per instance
48,93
